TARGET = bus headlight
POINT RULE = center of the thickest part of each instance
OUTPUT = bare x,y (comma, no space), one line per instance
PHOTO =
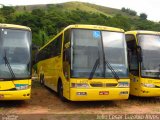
79,85
21,86
148,85
123,84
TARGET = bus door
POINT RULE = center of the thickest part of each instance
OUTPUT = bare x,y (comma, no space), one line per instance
133,64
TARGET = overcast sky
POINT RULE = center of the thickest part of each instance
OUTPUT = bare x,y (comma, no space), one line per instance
150,7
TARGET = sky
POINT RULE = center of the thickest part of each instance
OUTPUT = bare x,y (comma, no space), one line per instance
150,7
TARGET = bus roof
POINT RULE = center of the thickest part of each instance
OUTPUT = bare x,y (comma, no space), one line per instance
84,26
141,32
3,25
97,27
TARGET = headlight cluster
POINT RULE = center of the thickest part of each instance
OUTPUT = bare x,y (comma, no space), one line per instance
79,85
148,85
21,86
123,84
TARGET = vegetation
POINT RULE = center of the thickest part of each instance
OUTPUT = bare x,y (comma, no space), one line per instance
143,16
129,11
47,20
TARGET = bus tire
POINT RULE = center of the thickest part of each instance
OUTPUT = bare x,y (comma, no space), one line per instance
60,91
42,80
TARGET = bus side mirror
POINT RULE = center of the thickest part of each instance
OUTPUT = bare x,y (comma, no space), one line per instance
139,53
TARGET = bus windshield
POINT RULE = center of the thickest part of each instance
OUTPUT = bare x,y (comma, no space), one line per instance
93,48
150,45
15,59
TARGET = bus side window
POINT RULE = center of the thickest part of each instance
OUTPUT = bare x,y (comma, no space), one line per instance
132,55
58,44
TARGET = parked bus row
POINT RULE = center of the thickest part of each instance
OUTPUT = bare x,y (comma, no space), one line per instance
81,63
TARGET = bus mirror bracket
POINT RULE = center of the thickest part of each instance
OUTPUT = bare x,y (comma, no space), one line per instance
68,55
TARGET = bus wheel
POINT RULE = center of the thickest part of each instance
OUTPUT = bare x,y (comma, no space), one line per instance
60,91
42,79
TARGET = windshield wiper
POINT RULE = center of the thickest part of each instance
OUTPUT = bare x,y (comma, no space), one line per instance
112,70
8,65
96,65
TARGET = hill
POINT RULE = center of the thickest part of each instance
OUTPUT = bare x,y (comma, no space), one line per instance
47,20
70,6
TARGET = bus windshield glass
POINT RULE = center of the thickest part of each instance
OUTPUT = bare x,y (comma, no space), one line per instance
150,45
15,54
91,49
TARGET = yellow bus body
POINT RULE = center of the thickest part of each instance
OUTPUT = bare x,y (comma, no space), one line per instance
8,89
9,92
52,69
137,82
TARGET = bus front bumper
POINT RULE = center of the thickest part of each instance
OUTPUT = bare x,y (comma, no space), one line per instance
149,92
15,95
99,94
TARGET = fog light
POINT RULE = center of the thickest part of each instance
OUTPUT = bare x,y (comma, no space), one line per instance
81,93
123,92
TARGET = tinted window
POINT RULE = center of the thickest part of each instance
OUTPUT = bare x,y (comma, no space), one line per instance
51,50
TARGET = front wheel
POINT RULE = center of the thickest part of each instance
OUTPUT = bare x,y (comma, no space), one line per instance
60,92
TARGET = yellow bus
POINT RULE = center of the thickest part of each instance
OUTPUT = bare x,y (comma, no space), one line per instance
86,63
15,62
144,62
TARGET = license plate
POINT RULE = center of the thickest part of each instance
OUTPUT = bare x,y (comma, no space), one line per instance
103,92
1,96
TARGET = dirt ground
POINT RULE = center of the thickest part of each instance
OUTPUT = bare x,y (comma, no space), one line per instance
45,101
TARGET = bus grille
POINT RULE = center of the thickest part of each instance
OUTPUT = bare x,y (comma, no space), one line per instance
111,84
96,84
103,85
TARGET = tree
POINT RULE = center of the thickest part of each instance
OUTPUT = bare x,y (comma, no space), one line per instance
24,8
129,11
143,16
7,11
123,9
